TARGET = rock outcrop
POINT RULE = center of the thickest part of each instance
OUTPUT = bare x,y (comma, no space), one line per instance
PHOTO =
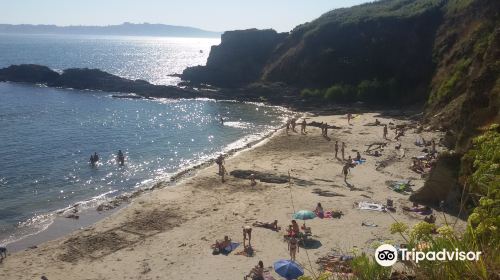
28,73
94,79
238,60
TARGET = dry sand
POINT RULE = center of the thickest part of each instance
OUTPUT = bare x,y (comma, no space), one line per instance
167,233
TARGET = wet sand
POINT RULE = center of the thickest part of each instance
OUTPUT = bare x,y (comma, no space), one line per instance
167,233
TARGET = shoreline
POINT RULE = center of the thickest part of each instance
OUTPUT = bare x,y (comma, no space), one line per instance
61,226
169,230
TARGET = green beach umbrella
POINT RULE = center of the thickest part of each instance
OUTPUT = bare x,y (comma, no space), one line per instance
304,215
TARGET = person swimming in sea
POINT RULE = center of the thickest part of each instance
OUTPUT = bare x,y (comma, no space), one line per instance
94,159
120,158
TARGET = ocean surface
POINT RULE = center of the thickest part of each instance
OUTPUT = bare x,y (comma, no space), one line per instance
148,58
47,135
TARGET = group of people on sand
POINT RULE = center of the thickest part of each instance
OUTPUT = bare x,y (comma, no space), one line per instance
120,158
342,149
324,129
292,123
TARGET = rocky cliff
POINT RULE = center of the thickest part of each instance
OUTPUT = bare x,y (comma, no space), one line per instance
238,60
465,88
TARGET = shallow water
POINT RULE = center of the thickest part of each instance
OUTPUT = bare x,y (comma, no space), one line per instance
47,136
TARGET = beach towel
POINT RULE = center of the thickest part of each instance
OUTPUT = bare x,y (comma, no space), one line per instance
401,187
370,206
268,276
231,247
360,161
226,250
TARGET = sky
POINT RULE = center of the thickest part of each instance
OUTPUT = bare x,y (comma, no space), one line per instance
215,15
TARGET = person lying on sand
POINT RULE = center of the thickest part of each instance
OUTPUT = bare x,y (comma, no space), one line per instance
431,219
416,208
375,153
257,273
417,166
221,245
273,226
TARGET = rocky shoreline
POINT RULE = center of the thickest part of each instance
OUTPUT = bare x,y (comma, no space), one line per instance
95,79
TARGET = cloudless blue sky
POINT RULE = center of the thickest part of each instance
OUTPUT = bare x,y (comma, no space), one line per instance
216,15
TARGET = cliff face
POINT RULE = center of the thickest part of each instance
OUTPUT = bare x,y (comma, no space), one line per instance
238,60
385,40
465,88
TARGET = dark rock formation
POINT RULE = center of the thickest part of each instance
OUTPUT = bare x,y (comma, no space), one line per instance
238,60
94,79
28,73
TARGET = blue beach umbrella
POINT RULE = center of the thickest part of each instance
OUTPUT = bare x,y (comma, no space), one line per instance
288,269
304,215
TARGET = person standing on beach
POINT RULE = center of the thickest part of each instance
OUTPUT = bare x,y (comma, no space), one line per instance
342,150
325,133
287,126
220,162
293,247
385,131
345,170
303,127
349,117
247,235
336,148
294,123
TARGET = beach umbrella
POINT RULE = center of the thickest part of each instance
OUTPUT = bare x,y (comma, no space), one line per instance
288,269
304,215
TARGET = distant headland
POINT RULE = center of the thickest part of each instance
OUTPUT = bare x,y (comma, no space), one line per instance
124,29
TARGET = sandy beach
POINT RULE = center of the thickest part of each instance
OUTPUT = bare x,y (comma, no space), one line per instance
167,233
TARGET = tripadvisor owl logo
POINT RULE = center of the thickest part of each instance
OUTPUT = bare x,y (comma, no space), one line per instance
387,255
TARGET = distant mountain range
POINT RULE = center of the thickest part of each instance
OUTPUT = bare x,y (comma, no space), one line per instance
128,29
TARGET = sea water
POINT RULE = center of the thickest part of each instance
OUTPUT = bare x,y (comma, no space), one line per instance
47,135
